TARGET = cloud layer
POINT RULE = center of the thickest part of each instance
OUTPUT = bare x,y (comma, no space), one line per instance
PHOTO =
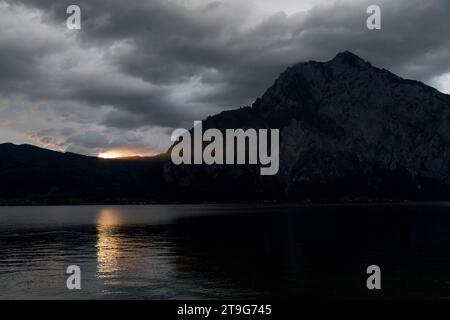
138,69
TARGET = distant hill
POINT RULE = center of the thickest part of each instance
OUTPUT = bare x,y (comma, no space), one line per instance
29,174
348,131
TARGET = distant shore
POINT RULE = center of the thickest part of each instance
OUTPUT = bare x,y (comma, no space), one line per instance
113,202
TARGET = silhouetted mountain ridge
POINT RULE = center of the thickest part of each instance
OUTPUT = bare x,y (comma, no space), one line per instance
31,174
349,130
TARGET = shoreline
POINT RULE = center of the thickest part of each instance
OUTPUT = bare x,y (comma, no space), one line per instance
306,203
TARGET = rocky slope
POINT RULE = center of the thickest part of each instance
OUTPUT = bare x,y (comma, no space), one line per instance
348,130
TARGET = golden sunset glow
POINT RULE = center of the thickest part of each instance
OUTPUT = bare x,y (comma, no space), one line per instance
121,153
109,155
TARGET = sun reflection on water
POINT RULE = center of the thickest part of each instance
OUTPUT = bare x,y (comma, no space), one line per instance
131,251
108,243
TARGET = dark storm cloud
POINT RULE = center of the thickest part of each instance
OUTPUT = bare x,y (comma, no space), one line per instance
164,63
172,44
90,139
169,44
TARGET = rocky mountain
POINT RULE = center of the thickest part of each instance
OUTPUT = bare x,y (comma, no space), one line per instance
348,130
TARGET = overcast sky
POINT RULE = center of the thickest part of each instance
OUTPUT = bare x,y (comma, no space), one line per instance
138,69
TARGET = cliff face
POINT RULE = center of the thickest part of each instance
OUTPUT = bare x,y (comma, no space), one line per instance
348,130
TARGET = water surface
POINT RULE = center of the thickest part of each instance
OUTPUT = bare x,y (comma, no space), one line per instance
225,251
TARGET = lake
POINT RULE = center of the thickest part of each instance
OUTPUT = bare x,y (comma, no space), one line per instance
226,251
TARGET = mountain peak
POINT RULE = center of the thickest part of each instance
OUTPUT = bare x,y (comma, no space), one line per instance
348,58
